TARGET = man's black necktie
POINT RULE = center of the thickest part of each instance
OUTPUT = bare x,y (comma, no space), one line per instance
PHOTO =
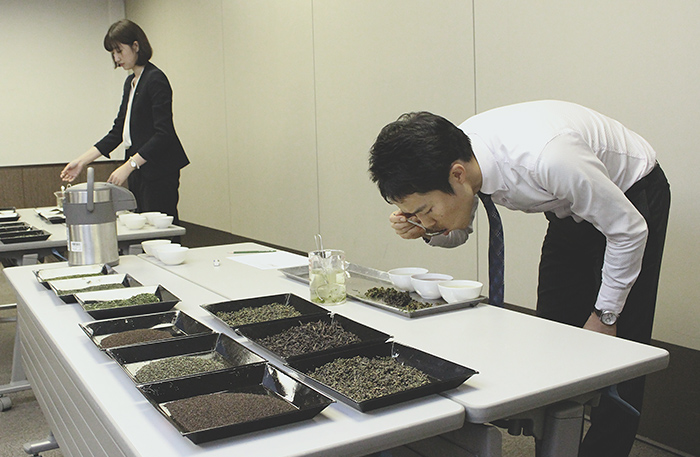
496,251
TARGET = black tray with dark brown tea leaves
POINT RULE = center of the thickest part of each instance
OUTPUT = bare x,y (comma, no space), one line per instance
313,334
78,271
105,304
66,289
183,357
236,313
220,405
384,374
127,331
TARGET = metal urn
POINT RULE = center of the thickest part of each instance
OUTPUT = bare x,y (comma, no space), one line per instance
91,220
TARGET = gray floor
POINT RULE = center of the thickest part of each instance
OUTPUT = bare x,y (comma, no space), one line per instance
25,423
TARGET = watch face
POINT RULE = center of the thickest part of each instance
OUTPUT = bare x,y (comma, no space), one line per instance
608,318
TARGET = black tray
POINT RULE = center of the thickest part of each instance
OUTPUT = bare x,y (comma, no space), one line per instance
304,307
47,274
258,379
255,332
9,227
9,217
178,323
82,283
24,236
167,301
132,358
444,374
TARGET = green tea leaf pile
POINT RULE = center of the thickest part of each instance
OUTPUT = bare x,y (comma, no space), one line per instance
396,298
363,378
92,288
310,337
175,367
140,299
252,315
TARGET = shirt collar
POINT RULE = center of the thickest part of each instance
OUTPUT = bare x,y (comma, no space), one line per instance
491,177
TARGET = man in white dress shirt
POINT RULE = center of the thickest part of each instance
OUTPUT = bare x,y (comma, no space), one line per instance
600,187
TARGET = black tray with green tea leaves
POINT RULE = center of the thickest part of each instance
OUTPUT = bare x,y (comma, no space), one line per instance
183,357
313,334
236,313
128,301
221,405
66,289
384,374
79,271
127,331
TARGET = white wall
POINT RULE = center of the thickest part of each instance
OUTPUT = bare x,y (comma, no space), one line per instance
59,92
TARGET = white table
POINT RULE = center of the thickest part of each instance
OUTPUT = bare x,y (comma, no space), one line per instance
28,252
527,366
93,407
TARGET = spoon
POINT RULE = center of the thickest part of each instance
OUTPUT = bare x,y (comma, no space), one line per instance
427,233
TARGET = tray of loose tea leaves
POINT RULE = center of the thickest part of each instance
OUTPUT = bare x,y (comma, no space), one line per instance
236,313
105,304
374,288
220,405
7,227
127,331
66,289
182,357
24,236
312,334
383,374
81,271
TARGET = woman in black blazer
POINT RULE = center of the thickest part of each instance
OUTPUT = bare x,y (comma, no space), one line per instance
154,154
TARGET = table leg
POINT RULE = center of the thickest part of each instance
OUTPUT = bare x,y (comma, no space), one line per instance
562,430
18,379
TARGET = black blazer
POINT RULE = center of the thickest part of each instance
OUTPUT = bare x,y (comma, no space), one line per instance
152,131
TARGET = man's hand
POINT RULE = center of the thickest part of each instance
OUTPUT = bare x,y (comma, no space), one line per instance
404,229
593,323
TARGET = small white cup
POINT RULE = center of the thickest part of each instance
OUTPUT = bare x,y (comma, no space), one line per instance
401,277
426,284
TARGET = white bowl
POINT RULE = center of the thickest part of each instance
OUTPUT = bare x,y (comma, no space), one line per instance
459,290
162,222
121,215
152,214
173,256
401,277
134,221
158,248
426,284
149,244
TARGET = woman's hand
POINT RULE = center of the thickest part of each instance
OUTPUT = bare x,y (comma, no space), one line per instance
404,229
72,170
120,175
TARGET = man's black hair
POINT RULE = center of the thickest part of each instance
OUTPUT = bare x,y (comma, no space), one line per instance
414,154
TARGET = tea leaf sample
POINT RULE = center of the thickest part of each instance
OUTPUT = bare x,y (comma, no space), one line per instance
252,315
82,275
175,367
140,335
92,288
140,299
309,337
224,408
395,298
361,378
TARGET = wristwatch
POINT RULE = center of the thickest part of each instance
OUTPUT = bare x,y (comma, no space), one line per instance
606,317
133,164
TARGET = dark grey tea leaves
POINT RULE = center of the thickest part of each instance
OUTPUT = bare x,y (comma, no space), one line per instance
310,337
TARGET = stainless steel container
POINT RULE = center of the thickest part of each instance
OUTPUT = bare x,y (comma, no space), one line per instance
91,220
